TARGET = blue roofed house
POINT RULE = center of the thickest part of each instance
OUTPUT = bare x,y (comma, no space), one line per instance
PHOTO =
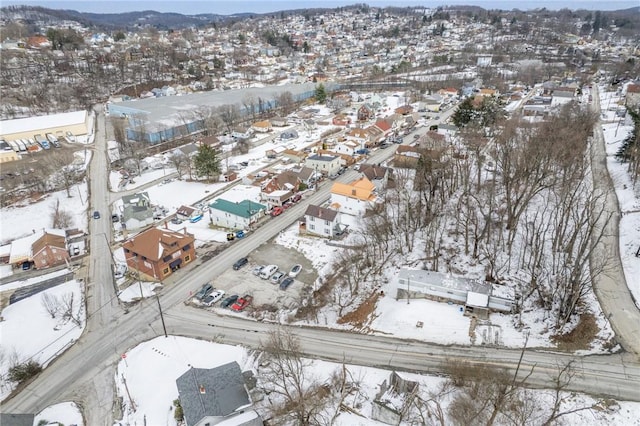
235,215
216,396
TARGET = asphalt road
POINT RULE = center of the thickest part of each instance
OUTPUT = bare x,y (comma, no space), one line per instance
86,373
610,285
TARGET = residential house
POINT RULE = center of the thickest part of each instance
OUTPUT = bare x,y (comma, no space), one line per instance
431,103
157,253
353,198
263,126
359,135
346,160
50,249
328,165
294,156
287,180
432,140
404,110
186,212
562,95
307,175
190,149
406,156
384,126
211,396
276,198
378,175
375,136
347,147
488,93
477,296
448,92
235,215
274,152
322,222
242,132
366,112
136,211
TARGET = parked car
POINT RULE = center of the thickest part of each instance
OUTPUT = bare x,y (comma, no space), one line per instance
277,211
256,271
363,151
275,278
196,218
240,263
115,218
26,266
296,198
295,270
176,221
286,205
286,283
231,236
96,214
119,270
229,301
242,303
212,298
267,271
240,234
204,291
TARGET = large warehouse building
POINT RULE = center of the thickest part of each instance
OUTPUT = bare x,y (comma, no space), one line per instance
77,123
164,118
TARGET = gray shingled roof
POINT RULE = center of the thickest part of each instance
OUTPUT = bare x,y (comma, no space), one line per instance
224,392
321,213
8,419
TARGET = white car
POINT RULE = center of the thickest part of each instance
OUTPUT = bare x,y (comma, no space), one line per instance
256,271
295,270
214,297
277,277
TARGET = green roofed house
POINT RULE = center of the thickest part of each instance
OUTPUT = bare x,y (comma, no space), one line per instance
235,215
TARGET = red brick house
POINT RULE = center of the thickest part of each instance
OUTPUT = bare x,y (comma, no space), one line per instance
341,120
157,253
365,112
49,250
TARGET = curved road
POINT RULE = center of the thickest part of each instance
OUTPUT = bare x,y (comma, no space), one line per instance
86,372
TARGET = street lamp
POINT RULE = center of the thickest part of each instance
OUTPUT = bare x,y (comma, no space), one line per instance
408,289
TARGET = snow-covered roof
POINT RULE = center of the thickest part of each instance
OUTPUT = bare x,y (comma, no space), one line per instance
42,122
477,299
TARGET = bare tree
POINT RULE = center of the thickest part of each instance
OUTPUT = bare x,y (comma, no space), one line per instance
60,219
69,309
180,162
229,114
286,375
50,303
64,173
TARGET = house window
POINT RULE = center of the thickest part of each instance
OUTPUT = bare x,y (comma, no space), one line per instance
187,247
187,258
165,271
326,231
326,222
126,250
311,219
144,257
312,227
166,258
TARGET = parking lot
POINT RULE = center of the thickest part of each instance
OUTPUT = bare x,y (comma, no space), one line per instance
264,292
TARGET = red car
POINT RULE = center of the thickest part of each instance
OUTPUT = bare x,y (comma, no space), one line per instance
296,198
277,211
242,303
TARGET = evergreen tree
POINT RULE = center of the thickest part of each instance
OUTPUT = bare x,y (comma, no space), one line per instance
207,162
321,94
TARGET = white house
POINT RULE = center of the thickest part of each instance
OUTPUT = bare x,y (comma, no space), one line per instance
353,198
328,165
322,222
238,215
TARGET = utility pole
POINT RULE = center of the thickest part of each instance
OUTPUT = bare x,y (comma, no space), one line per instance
164,327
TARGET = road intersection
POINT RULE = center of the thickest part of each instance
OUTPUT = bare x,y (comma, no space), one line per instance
86,372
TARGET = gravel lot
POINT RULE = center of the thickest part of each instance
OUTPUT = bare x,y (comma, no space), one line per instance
264,292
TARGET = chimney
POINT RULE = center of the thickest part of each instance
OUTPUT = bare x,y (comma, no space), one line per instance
202,390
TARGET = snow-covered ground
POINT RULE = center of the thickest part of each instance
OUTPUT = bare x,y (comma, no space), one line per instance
150,371
48,336
19,220
615,131
66,413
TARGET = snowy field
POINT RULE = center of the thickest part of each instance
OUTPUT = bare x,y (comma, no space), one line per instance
20,219
48,336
